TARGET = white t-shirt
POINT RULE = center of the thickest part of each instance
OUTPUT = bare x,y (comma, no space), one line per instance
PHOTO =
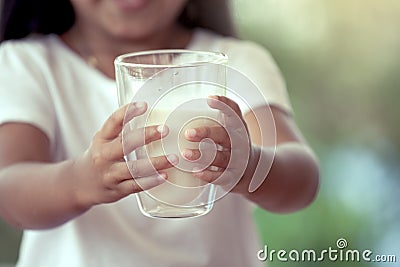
41,83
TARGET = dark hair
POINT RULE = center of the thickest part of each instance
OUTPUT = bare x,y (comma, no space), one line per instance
20,18
215,15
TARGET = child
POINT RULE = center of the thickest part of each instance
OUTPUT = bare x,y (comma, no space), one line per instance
62,175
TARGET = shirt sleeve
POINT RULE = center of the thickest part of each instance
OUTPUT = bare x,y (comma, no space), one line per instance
24,95
256,76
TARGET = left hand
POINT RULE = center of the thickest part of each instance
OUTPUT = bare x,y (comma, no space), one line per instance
232,139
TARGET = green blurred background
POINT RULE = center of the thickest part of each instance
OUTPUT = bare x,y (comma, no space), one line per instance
341,62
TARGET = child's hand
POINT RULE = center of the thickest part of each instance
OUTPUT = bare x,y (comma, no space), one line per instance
233,142
102,170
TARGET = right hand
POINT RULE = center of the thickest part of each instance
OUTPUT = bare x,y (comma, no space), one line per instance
104,175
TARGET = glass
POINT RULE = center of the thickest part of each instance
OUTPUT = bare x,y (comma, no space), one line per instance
175,84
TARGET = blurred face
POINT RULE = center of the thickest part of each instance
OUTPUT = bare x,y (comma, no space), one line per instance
132,19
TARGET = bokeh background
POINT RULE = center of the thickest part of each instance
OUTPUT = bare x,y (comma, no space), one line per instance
341,62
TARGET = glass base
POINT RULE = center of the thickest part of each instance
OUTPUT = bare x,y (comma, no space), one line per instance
162,210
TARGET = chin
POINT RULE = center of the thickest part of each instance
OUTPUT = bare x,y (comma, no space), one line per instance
138,34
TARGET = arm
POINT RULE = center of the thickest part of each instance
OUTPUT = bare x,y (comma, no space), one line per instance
292,182
38,194
33,192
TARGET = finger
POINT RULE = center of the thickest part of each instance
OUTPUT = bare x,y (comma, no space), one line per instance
113,125
120,171
224,104
130,186
221,158
133,139
224,178
217,133
139,137
232,114
144,167
207,175
135,109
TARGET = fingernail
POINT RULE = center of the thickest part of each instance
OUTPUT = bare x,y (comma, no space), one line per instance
173,159
140,105
162,176
190,132
163,130
213,99
187,153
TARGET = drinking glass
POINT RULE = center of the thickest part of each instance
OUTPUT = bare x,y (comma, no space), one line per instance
176,85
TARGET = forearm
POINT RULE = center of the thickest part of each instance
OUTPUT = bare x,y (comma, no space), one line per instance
291,183
39,195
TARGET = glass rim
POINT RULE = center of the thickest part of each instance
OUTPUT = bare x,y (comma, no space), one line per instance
217,58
